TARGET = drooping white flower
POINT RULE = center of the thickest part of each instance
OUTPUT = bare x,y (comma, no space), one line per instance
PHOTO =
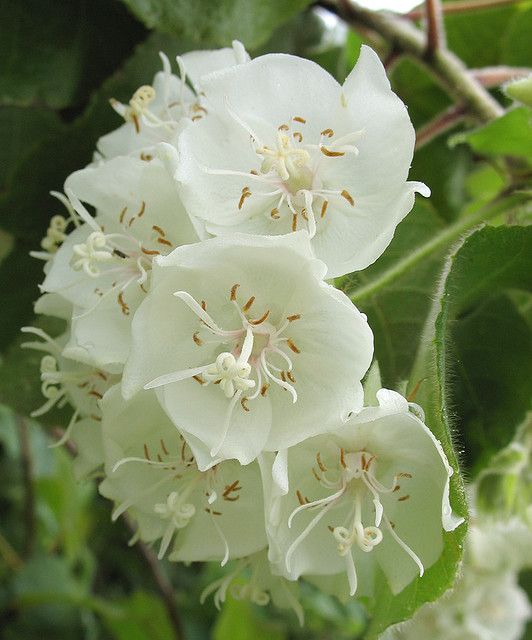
103,267
292,149
251,579
376,490
246,345
153,475
157,113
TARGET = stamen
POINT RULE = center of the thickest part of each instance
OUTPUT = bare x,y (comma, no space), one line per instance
246,193
261,319
243,403
299,119
292,346
234,288
329,133
324,208
264,389
300,497
275,214
331,154
122,214
124,307
345,194
248,304
320,463
150,252
405,547
294,222
294,317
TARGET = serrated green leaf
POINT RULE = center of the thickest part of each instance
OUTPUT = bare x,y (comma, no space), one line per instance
216,23
509,135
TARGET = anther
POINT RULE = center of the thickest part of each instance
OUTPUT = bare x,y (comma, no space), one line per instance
158,230
146,452
261,319
283,376
163,447
345,194
329,133
304,214
150,252
290,376
299,119
294,317
122,214
146,156
264,390
198,379
96,394
232,296
142,209
297,135
403,498
294,222
197,339
246,193
331,154
300,498
283,127
244,404
124,307
320,463
324,208
292,345
342,458
164,241
248,304
274,213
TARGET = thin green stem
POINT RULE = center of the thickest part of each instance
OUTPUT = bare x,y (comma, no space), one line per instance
443,239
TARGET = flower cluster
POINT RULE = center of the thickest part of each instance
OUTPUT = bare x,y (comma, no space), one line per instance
214,374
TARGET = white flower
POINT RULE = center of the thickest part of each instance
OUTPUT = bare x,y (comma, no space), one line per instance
481,607
251,579
292,149
65,381
153,475
376,490
246,345
157,113
102,268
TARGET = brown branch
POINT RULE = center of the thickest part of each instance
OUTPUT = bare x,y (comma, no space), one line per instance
435,31
461,6
27,476
163,584
447,68
495,76
440,124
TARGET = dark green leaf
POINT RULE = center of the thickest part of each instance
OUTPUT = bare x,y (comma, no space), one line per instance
56,57
239,621
216,23
143,617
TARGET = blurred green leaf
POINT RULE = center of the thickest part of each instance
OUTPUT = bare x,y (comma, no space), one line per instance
516,43
216,23
509,135
55,58
143,617
239,621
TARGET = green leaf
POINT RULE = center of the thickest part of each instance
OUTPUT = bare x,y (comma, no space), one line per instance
492,364
142,617
509,135
516,44
216,23
239,621
397,312
55,58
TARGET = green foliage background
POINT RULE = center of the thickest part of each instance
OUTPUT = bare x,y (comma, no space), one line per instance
449,302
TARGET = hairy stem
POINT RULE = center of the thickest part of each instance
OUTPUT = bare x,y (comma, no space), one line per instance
502,204
495,76
447,68
462,6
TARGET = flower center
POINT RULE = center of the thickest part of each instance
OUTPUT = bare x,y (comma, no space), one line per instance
245,372
291,164
353,479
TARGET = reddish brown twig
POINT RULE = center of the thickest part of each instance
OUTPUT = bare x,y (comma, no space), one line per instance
440,124
461,6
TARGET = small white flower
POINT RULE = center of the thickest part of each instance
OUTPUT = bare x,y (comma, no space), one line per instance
251,579
103,267
376,490
292,149
246,345
157,113
153,475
